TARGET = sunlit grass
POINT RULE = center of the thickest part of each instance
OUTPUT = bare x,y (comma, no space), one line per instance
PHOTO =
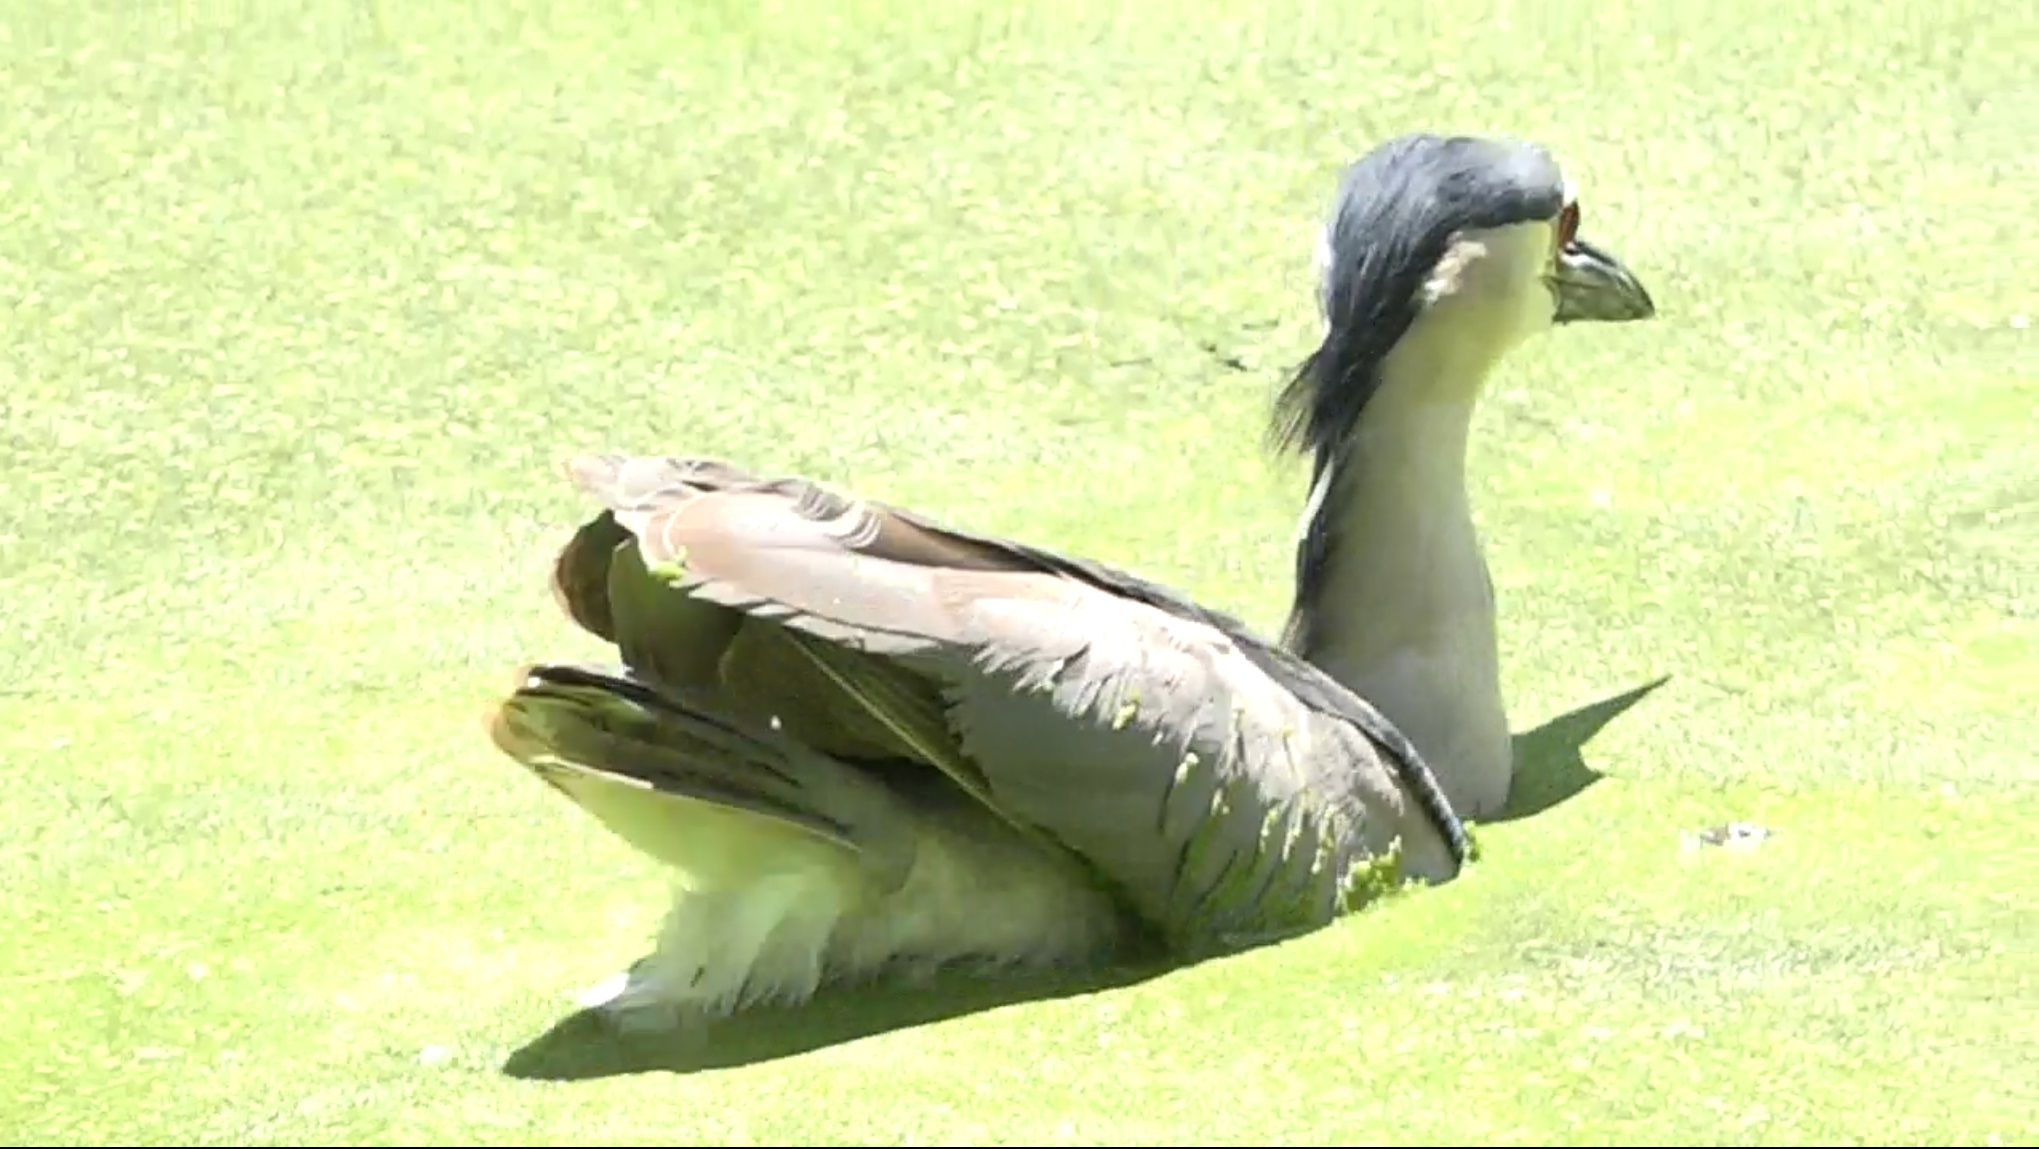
304,310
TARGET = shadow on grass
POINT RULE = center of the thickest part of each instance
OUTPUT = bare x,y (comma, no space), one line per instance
1549,768
583,1045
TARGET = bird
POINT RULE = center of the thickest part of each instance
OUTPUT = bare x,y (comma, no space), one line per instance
867,743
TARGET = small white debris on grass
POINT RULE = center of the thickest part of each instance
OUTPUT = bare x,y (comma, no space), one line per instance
434,1055
1732,836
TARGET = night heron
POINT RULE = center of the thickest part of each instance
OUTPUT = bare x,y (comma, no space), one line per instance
863,741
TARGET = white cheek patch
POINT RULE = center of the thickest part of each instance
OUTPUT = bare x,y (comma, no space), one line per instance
1454,271
1500,273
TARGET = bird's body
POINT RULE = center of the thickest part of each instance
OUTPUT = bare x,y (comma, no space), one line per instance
862,740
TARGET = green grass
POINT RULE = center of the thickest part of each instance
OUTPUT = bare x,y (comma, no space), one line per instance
304,307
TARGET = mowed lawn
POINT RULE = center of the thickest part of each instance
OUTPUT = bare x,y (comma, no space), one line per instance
305,303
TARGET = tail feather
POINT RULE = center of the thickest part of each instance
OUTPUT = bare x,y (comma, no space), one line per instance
645,763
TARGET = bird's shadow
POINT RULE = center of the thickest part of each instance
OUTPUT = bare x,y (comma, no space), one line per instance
586,1045
1549,766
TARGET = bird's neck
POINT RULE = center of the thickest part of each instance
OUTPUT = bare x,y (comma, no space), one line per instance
1404,558
1402,610
1400,553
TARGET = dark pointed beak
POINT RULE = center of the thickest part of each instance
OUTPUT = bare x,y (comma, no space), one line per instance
1592,285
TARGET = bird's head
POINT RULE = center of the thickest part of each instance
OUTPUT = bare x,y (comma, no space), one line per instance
1450,250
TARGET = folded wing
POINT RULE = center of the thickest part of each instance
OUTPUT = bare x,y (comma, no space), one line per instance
1221,787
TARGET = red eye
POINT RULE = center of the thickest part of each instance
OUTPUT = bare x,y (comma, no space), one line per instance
1568,224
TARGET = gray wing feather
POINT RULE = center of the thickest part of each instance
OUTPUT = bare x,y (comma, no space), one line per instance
1311,686
1153,748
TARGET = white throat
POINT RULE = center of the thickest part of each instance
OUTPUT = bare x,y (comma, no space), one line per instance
1406,559
1404,610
